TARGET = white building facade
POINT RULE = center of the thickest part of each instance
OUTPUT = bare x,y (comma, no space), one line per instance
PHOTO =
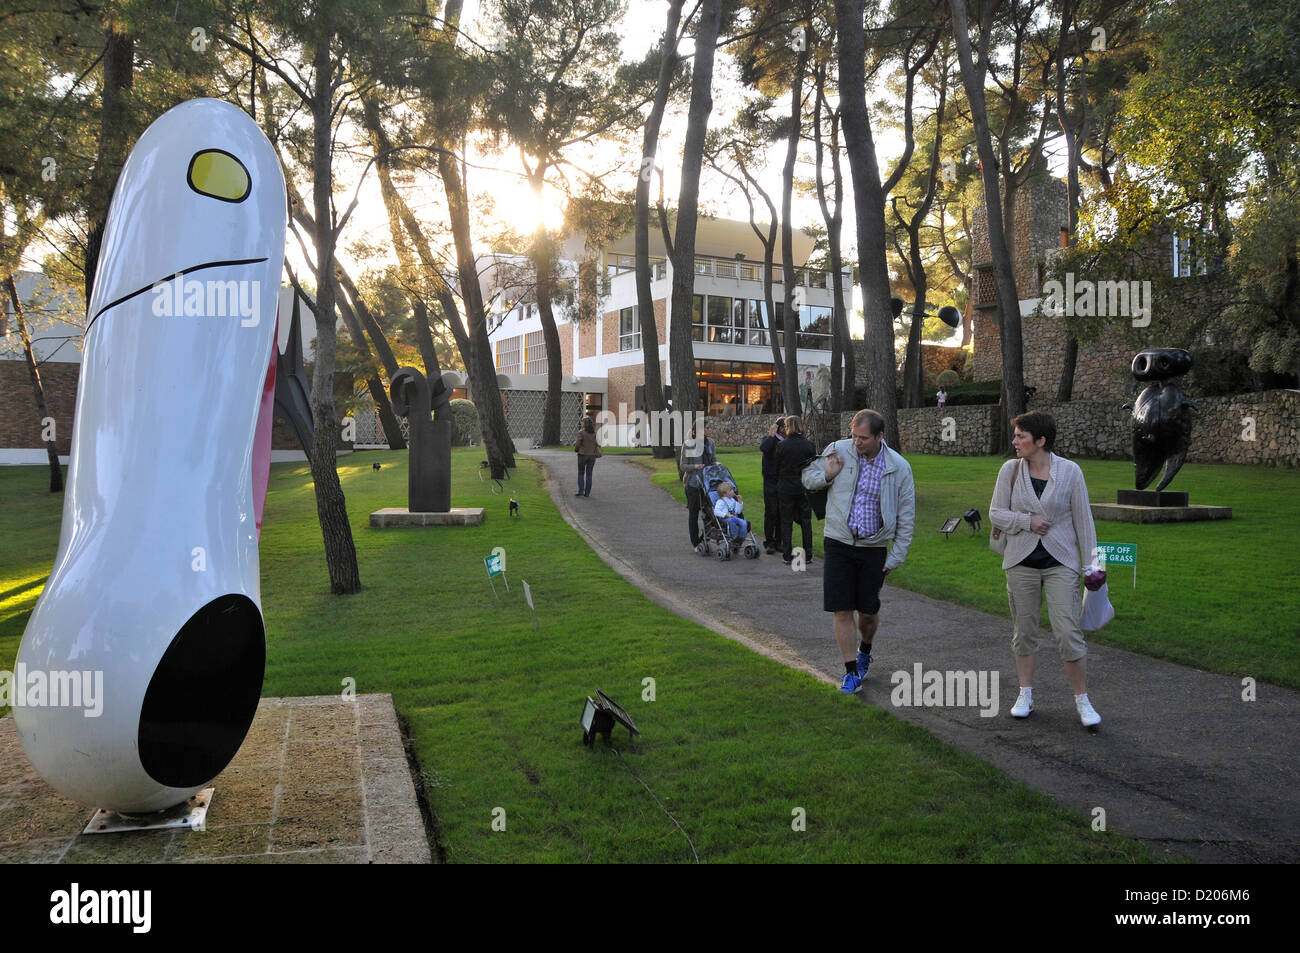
600,328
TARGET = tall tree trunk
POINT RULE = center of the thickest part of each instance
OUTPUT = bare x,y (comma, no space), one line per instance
1075,134
387,419
792,316
842,362
383,405
681,352
769,258
654,382
480,367
1013,377
38,389
331,507
119,77
869,202
913,376
543,263
360,324
401,244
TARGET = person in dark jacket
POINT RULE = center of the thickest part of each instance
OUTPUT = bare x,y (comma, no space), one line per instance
696,455
587,449
791,457
771,500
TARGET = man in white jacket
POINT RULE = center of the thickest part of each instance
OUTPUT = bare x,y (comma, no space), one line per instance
871,501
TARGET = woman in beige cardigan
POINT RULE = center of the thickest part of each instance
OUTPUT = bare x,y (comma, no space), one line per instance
1041,504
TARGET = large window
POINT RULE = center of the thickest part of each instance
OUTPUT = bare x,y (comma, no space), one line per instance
738,387
629,330
815,327
534,353
508,355
720,320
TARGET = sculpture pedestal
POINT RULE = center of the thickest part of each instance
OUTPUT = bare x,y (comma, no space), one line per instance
1151,498
401,516
1127,513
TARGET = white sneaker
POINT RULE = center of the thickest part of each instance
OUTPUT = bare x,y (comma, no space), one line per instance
1087,714
1024,704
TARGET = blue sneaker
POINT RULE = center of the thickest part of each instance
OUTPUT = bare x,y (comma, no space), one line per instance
864,663
851,683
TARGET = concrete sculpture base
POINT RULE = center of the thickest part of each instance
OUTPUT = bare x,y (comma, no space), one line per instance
401,516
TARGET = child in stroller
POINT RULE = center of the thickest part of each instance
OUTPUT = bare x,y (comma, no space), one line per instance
725,528
730,509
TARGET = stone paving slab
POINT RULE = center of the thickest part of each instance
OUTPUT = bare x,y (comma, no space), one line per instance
1181,761
317,780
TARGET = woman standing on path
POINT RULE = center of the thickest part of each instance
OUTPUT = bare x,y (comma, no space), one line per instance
696,455
588,450
1041,503
791,457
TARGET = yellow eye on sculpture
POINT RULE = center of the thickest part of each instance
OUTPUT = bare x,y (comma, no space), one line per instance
219,175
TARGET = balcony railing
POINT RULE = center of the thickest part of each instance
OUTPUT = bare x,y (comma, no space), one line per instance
737,269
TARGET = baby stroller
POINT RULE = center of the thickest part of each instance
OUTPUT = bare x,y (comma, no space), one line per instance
717,540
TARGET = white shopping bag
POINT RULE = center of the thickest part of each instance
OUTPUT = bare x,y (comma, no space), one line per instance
1097,610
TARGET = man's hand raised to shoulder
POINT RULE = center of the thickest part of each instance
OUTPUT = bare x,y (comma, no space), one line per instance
833,465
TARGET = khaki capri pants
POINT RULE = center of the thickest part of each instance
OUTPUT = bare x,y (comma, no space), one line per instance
1025,588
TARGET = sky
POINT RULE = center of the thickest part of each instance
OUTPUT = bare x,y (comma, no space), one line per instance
500,176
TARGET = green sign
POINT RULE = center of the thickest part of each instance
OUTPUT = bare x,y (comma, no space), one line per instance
493,564
1118,554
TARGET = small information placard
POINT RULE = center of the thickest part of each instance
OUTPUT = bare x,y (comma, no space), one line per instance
496,566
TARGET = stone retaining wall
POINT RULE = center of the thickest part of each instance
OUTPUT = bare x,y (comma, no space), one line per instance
962,431
1261,428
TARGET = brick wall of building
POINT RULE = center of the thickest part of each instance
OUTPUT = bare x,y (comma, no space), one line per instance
609,333
587,338
623,382
566,348
20,424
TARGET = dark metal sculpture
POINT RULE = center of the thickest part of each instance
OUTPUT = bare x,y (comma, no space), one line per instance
429,479
1162,416
292,392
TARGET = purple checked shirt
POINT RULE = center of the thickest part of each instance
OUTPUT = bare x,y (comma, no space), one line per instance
864,512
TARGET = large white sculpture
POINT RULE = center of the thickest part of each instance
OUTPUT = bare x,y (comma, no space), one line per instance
156,579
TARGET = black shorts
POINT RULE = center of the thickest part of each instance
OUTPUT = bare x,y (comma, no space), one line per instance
852,577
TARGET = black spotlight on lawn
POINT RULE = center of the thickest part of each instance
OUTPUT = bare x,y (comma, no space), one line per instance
972,516
599,715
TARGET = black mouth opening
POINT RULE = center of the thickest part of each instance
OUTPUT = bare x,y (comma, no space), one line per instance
204,693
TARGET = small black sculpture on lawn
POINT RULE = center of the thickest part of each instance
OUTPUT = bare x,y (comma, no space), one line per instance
1162,416
429,480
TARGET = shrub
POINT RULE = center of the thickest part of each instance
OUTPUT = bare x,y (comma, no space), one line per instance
949,379
980,392
464,423
1216,372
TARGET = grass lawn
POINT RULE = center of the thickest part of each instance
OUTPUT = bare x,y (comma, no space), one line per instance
732,745
1218,595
